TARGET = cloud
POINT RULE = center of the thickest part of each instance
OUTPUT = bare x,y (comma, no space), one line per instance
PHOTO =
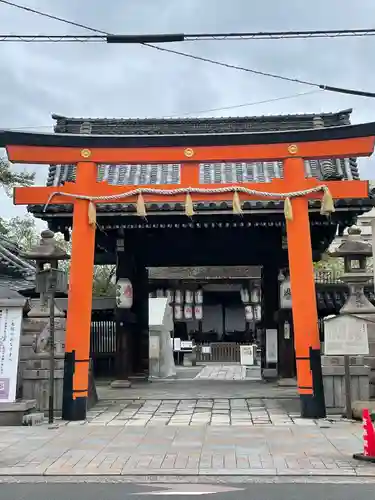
100,80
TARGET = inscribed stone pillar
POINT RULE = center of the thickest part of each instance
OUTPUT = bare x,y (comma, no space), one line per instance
270,287
140,310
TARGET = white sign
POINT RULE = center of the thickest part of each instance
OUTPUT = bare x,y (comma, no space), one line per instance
271,345
345,335
206,349
247,355
186,345
285,295
124,294
10,332
177,344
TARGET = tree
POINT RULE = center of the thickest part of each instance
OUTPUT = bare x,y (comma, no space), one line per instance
23,232
10,179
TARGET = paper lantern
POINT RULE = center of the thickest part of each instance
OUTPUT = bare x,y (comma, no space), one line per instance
245,295
178,297
124,294
257,312
189,297
198,312
188,311
178,312
249,315
199,297
255,295
170,296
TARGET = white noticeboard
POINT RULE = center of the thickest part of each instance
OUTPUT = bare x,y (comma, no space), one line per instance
345,336
247,355
186,345
271,345
177,344
10,331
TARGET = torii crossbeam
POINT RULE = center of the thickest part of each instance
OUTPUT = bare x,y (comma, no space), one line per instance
289,147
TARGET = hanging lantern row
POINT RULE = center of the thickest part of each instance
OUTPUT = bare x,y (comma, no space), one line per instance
253,296
187,304
181,296
253,312
188,311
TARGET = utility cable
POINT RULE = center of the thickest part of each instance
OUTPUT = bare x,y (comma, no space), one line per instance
329,88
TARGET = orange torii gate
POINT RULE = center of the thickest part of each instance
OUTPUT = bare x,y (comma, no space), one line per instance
86,152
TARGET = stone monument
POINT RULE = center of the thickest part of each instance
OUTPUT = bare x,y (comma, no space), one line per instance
12,408
160,346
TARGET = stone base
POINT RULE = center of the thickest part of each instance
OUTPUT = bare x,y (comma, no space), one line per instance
121,384
269,373
32,419
12,414
359,406
287,382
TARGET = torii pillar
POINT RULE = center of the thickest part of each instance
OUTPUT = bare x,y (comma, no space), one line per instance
86,152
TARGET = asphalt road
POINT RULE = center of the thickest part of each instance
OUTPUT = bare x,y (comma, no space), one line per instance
217,491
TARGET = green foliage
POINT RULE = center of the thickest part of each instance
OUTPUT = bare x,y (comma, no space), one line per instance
20,230
23,232
328,263
10,179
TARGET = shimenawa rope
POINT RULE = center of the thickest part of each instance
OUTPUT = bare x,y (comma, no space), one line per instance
327,205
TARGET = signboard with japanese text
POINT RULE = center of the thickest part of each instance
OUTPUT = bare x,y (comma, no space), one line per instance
247,355
10,332
345,336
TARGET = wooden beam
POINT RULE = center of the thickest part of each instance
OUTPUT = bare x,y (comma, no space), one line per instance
361,146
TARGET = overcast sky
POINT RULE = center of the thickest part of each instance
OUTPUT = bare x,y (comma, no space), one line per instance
97,80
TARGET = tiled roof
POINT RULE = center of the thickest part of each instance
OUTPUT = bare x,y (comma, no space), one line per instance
15,272
217,173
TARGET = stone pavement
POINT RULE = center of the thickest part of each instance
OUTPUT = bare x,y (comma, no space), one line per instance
228,372
323,449
190,412
197,389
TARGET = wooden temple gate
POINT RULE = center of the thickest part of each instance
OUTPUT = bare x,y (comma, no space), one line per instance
86,152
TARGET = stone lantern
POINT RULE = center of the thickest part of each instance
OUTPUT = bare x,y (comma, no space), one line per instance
49,278
43,375
349,336
355,252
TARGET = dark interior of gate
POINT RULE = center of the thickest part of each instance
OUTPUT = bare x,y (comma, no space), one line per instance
215,251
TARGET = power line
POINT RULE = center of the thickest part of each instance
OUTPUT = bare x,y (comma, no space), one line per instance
201,58
246,104
182,37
